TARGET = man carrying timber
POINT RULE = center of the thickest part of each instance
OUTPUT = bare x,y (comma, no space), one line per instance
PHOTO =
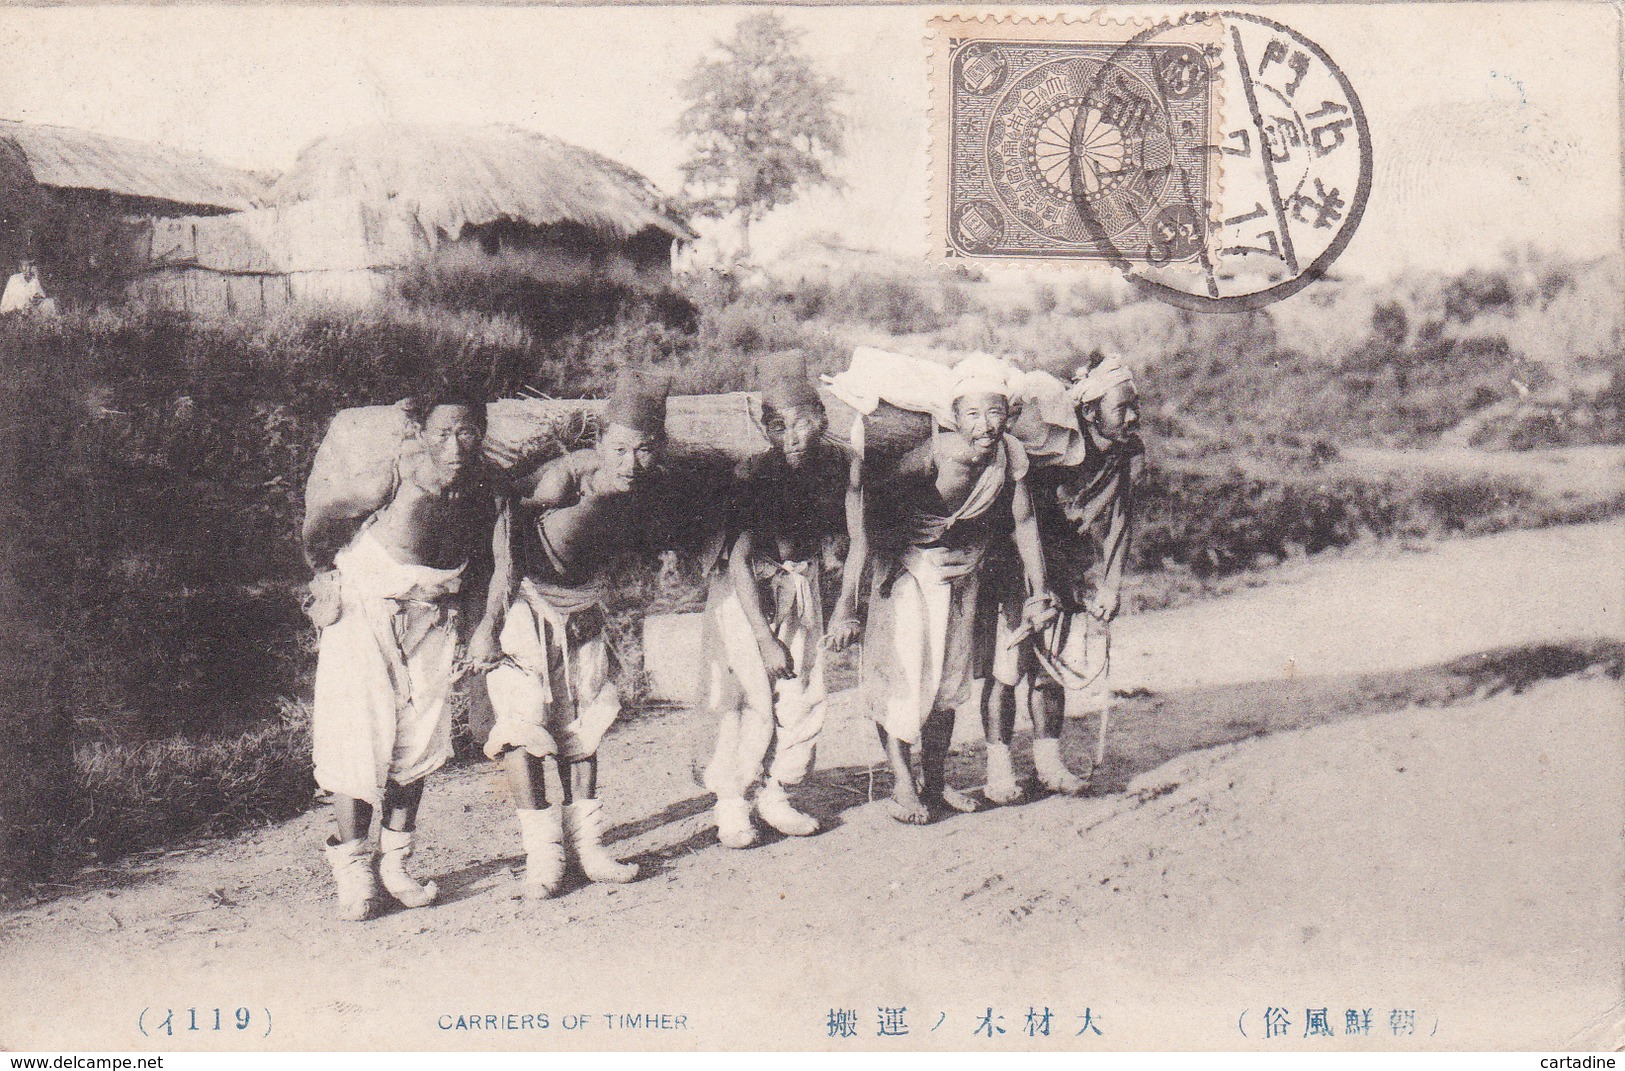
393,599
553,694
1069,501
764,615
933,520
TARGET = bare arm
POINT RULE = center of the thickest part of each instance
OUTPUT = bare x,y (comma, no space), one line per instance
1040,606
331,531
325,534
844,628
774,654
499,593
1119,534
555,486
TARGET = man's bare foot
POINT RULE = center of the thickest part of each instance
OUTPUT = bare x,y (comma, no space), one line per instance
955,800
907,809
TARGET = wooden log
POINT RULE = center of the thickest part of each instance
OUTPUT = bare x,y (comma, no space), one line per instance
524,432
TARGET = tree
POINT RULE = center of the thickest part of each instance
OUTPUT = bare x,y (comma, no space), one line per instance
763,125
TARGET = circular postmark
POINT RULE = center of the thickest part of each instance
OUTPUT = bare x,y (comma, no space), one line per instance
1277,192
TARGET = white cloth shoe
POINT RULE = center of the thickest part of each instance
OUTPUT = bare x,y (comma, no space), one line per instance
542,831
352,865
1001,776
774,806
395,847
583,821
732,816
1052,771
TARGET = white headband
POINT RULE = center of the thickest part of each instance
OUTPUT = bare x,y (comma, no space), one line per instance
982,373
1092,387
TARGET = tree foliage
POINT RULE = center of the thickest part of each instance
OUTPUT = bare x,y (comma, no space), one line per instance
762,122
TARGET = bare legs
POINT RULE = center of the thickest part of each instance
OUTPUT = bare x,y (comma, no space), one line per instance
354,817
908,804
351,856
558,809
905,798
998,723
538,783
1046,706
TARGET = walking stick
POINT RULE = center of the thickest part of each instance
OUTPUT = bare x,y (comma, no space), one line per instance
1106,705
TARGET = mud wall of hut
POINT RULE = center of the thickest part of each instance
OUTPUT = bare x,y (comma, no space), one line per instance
203,292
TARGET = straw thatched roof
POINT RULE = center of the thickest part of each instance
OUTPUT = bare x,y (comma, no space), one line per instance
65,158
450,177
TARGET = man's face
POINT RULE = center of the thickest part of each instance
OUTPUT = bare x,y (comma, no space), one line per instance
449,442
1117,415
624,457
982,419
793,431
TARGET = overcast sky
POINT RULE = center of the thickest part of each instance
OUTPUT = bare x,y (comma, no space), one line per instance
1492,124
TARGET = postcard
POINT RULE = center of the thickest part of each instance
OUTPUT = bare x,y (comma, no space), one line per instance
884,527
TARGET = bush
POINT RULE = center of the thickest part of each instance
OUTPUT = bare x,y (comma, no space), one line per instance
1214,524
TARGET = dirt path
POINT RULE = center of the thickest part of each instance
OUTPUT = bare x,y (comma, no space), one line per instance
1391,785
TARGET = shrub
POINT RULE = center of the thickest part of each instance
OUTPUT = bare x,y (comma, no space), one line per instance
1215,523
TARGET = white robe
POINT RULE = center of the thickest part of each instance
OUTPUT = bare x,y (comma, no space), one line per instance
921,632
547,683
384,672
754,714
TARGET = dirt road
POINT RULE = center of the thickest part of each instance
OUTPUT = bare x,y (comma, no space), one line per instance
1388,786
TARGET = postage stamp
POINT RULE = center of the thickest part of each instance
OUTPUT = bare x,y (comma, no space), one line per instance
1037,113
1220,160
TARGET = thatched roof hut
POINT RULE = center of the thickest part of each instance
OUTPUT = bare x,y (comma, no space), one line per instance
339,250
360,211
453,178
76,202
151,179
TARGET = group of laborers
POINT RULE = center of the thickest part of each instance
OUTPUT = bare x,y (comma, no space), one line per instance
978,566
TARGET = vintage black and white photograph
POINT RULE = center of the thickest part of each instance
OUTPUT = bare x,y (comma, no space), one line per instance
857,528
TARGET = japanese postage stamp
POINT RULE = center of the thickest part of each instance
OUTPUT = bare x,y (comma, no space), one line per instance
1073,141
1222,160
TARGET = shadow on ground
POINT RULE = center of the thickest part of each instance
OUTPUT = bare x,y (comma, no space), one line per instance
1148,729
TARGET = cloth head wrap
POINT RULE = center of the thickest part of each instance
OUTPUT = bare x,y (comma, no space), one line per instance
981,373
1093,385
639,402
